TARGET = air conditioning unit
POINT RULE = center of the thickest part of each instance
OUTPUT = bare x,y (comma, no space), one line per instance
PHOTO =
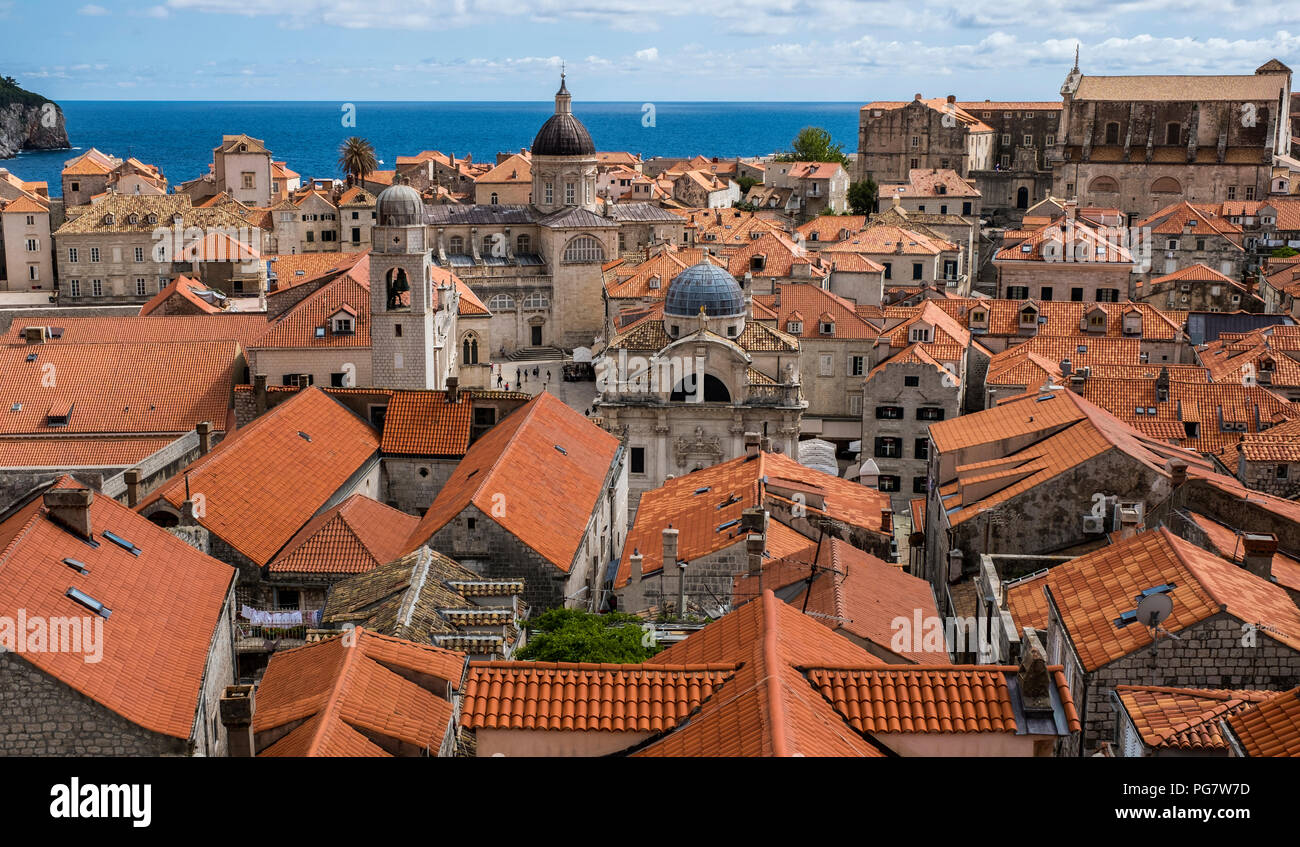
1094,524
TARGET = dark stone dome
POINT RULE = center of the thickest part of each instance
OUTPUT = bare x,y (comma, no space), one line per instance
399,205
704,285
563,135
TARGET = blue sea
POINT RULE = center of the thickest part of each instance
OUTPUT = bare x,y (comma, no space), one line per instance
179,136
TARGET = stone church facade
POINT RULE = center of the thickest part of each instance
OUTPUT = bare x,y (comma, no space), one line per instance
1140,143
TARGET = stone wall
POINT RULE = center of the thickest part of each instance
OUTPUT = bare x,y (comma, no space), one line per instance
1210,654
41,716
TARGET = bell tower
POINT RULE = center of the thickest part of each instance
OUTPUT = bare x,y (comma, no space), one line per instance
405,348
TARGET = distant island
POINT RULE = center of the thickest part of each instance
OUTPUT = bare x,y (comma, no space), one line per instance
28,121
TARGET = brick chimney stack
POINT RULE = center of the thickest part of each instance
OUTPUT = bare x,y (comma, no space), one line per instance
1258,558
70,509
453,389
636,559
204,429
752,443
131,477
236,707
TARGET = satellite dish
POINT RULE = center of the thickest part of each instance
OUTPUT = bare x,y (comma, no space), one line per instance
1153,609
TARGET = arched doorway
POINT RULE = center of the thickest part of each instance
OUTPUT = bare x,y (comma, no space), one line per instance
1022,198
715,391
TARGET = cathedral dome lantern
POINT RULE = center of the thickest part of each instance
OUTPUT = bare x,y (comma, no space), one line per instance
563,134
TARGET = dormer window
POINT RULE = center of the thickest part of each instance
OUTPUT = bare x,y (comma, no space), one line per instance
756,262
919,334
827,327
1028,317
343,325
108,220
654,282
979,316
794,327
151,219
133,219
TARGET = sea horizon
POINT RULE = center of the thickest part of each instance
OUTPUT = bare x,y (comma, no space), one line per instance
178,135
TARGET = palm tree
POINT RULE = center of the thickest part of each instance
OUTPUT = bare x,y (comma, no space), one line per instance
357,158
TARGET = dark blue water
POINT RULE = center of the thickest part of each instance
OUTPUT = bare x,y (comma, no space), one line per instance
179,136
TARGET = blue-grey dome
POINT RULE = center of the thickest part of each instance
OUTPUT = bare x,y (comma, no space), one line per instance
704,285
399,205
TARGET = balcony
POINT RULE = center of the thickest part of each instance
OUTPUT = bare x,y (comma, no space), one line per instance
271,630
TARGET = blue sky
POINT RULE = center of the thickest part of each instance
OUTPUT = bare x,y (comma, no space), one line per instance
629,50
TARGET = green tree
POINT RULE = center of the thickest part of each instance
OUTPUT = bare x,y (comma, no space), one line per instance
863,195
1284,252
745,183
357,159
814,144
570,635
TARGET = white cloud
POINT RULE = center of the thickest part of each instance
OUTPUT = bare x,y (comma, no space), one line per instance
650,54
90,10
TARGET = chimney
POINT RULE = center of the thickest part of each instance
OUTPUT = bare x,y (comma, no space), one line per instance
132,479
670,548
204,429
1177,472
1129,518
1035,682
236,707
636,560
70,508
681,590
952,98
453,389
752,443
259,392
887,520
918,98
765,444
1066,367
1258,558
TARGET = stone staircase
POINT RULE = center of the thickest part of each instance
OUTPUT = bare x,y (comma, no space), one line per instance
536,354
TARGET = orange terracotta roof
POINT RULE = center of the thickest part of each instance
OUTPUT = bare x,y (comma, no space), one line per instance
767,708
740,484
78,453
356,536
1185,718
1093,590
1272,728
423,423
805,299
293,269
587,697
152,329
851,590
469,304
116,388
264,482
544,452
1227,543
297,328
165,606
361,697
941,699
1068,244
184,287
24,205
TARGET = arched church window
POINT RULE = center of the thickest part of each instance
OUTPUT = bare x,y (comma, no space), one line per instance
469,349
493,199
537,300
584,248
398,290
1104,184
501,303
1166,185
